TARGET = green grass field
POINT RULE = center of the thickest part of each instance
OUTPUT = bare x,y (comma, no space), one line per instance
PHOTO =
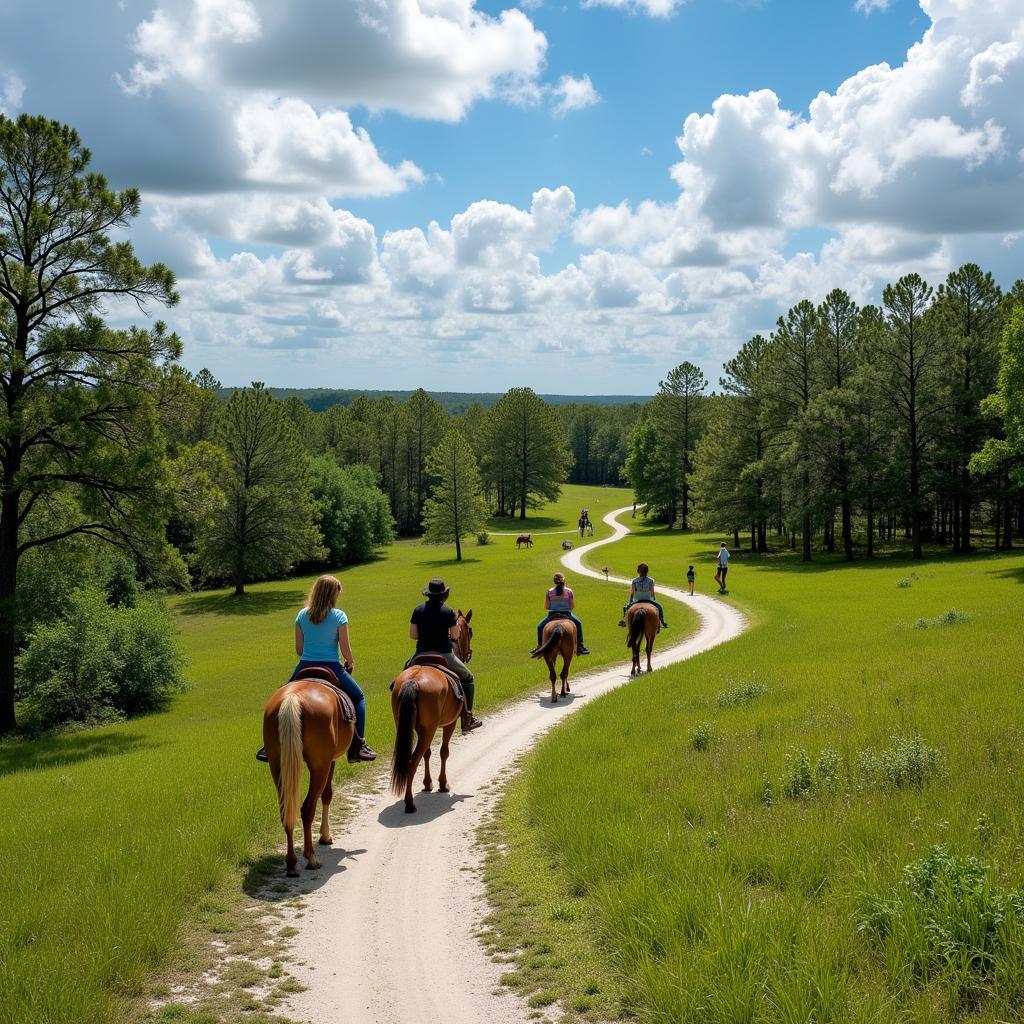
738,850
110,836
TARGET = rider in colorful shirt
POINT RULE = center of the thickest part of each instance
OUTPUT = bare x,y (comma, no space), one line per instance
560,602
642,589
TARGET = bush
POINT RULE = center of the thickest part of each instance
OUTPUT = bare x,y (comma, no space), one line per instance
354,513
950,617
744,693
702,737
483,538
951,917
98,662
907,763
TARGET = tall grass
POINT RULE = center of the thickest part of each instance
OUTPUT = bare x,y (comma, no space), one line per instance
108,837
727,881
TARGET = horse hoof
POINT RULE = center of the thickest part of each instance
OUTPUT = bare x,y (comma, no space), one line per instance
554,700
312,864
326,840
410,808
292,872
442,789
428,789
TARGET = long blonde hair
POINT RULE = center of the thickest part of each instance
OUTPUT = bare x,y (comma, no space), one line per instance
321,598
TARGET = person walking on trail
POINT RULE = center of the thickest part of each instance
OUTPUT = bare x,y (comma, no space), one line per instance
642,589
320,630
690,577
560,601
430,626
723,566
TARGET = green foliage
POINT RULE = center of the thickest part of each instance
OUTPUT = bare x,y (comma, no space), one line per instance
483,538
268,522
456,506
741,693
354,515
906,763
99,662
703,736
1007,403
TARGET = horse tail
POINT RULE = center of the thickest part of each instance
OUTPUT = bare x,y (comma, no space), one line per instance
289,731
554,638
636,628
401,759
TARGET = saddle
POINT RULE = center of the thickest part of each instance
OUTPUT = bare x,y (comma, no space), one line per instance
436,661
326,676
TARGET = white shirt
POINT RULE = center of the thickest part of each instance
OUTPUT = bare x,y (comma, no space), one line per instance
723,556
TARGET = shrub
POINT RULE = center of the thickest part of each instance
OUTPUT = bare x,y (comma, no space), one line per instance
483,538
799,776
804,775
903,583
950,617
354,514
907,763
950,917
743,693
98,662
702,737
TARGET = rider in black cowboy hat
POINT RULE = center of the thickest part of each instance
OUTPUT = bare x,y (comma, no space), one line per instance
430,627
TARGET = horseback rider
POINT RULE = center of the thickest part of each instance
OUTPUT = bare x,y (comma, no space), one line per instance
430,626
320,629
642,589
560,603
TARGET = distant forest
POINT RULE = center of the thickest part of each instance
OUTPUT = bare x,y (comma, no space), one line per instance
453,402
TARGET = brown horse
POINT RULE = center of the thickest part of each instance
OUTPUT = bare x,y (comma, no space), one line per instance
304,721
559,637
422,700
524,538
641,624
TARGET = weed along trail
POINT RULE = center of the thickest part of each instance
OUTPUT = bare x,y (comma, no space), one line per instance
387,932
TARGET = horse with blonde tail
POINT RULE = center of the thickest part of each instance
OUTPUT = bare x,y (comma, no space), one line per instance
558,638
642,625
306,721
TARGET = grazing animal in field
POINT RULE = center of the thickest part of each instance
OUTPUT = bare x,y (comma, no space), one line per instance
642,624
306,720
524,538
422,701
558,638
567,545
605,571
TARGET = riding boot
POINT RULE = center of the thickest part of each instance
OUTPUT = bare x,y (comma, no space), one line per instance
360,750
580,649
261,755
469,721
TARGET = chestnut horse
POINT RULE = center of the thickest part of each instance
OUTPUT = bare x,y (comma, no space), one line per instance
304,721
524,538
641,624
559,637
422,700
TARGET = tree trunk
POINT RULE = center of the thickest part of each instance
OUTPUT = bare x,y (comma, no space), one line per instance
8,587
871,528
753,536
736,537
1008,517
847,529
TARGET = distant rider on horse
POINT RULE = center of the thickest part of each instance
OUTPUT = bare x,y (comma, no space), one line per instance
642,589
430,627
320,629
560,603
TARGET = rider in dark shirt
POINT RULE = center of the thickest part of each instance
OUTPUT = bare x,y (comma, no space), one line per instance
430,627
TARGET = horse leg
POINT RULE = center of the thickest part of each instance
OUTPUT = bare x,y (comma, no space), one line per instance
650,647
422,745
290,859
325,819
446,738
318,775
428,782
566,662
550,659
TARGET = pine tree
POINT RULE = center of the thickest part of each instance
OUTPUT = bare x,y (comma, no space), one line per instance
683,392
269,519
456,506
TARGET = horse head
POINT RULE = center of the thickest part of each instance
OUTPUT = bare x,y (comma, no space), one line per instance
462,636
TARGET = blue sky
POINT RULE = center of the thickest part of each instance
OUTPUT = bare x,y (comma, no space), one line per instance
574,196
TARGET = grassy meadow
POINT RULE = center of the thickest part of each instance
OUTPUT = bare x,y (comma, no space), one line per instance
111,837
819,821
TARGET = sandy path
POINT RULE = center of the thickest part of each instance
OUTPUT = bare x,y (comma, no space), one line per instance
388,936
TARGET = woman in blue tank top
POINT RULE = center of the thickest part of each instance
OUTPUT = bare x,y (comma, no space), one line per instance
320,630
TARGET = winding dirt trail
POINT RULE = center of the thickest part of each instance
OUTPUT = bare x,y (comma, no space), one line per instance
388,937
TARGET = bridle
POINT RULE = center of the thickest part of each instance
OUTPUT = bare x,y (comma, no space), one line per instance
463,640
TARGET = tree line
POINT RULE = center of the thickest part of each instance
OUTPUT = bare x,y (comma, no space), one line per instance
871,423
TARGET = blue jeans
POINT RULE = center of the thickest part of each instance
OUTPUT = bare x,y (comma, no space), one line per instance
547,618
347,683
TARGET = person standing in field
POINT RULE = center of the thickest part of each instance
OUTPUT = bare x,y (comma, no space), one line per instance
320,630
690,577
723,566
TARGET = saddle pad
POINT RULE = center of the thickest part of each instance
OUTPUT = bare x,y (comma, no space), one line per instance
437,661
328,678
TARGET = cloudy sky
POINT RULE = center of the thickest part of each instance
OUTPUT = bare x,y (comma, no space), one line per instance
572,195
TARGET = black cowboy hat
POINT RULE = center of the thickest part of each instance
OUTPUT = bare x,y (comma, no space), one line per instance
435,588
